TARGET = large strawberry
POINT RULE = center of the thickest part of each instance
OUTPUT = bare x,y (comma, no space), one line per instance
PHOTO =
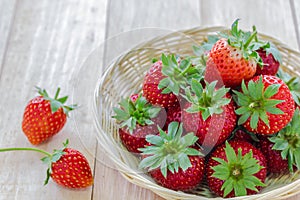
265,105
233,58
209,113
287,141
45,116
67,167
236,168
138,118
166,78
172,161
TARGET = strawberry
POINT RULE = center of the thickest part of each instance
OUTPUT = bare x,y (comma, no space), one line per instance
270,66
242,135
67,167
293,84
233,58
166,78
174,113
45,116
172,161
209,113
236,168
137,118
265,105
276,164
287,142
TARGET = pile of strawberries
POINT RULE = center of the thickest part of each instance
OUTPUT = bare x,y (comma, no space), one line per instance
226,117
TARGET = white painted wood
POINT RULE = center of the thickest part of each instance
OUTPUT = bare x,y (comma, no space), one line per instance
7,8
47,44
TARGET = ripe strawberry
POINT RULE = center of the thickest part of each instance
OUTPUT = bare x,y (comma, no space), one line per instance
287,141
209,113
233,58
67,167
270,60
236,168
293,84
174,114
276,164
45,116
242,135
138,118
166,78
171,160
265,105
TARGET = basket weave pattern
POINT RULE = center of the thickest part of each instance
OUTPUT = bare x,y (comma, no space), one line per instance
125,77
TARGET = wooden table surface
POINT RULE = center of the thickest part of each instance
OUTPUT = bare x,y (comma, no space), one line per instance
45,43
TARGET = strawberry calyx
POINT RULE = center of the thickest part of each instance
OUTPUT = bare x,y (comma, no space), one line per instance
208,100
288,142
178,74
139,111
169,150
56,103
293,84
237,171
244,41
255,102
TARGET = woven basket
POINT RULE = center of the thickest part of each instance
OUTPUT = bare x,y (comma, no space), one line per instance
124,77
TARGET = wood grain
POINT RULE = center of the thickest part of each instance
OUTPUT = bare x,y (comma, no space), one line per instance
48,42
6,18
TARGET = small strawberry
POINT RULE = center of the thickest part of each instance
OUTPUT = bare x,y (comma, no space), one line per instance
287,141
270,66
45,116
233,58
172,161
209,113
166,79
236,168
293,84
67,167
137,118
174,113
276,164
265,105
242,135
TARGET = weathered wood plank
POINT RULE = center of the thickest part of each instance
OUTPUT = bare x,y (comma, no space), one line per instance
47,44
6,19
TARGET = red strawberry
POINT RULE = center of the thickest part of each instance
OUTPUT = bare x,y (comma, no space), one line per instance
173,114
265,105
233,57
44,116
137,119
275,163
171,160
287,142
166,79
242,135
236,168
72,170
209,113
67,167
293,84
270,66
